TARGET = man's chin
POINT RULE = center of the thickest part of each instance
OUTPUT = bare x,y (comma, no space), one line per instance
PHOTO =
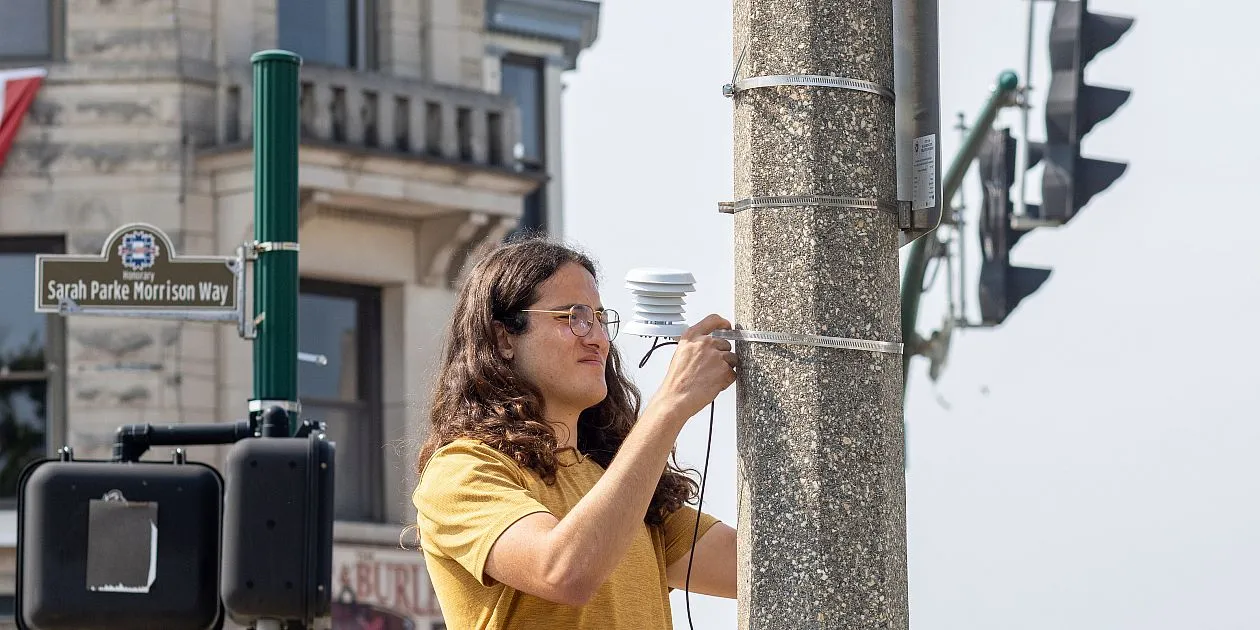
595,403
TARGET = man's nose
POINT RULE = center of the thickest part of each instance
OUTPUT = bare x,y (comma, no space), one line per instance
598,335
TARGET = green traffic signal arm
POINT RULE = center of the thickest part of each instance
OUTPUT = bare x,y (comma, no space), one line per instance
916,263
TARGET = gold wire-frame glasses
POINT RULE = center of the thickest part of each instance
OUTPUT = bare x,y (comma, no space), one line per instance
582,319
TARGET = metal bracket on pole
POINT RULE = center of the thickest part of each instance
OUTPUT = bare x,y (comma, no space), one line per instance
910,219
249,251
275,247
787,201
810,80
291,406
245,327
809,340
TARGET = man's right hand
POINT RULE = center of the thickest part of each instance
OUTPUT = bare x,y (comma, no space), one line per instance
701,368
567,560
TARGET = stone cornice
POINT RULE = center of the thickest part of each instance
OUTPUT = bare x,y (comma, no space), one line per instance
573,23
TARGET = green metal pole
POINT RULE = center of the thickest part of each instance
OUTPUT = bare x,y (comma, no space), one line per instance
916,261
276,120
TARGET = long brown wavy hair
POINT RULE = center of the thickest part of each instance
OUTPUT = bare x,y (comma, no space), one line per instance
478,395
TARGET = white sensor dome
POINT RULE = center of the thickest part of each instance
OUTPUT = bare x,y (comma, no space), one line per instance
659,296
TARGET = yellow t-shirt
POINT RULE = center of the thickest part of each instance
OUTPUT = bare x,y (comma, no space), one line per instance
470,493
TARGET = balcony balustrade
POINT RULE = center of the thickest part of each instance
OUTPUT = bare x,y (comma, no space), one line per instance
406,117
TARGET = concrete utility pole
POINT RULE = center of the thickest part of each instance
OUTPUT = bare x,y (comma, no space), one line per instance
820,440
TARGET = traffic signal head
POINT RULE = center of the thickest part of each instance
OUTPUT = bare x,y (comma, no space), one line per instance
1074,108
113,545
1002,286
278,529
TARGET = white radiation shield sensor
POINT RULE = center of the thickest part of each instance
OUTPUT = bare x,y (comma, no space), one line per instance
659,296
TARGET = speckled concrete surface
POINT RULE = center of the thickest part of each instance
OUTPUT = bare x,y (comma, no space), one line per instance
821,480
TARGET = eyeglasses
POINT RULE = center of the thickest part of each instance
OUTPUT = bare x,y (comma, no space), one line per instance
582,319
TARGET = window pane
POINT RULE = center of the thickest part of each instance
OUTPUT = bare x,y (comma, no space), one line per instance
352,477
26,28
534,214
23,429
318,30
23,334
522,80
329,325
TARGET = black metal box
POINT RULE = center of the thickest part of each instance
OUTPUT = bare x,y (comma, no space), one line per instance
106,545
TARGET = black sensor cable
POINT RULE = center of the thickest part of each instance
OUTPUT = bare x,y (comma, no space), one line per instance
695,532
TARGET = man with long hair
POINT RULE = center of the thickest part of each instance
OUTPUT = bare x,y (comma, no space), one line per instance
546,498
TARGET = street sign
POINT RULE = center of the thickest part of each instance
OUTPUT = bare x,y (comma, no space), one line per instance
138,273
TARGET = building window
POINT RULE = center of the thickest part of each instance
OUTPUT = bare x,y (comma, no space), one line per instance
523,81
337,33
534,214
343,323
31,30
31,351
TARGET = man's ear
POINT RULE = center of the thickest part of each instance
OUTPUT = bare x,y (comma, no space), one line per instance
503,341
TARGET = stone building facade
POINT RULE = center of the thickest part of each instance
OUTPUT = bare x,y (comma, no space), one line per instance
430,130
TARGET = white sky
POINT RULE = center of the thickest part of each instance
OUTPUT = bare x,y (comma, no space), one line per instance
1093,467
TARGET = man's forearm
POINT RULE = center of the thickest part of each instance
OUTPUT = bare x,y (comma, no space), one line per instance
594,536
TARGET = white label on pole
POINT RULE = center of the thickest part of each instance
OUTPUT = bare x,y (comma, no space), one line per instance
925,172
